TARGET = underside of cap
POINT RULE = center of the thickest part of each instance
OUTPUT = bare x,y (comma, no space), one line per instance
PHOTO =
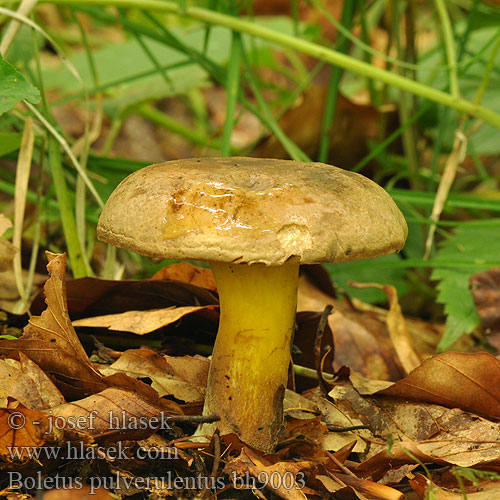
249,210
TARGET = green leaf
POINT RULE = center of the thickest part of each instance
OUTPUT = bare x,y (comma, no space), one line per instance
363,271
470,242
9,142
14,88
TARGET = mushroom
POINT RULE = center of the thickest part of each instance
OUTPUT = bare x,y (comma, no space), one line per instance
255,221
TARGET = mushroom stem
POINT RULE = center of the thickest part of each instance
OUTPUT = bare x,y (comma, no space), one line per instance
249,369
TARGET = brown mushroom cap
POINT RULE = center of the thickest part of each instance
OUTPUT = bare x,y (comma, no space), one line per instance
252,210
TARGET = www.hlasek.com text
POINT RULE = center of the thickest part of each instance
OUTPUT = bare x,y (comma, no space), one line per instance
82,451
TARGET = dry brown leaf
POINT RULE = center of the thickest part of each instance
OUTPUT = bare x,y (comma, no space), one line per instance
354,125
187,273
275,474
486,490
51,341
485,288
22,430
361,487
118,414
432,433
455,380
25,382
78,494
396,325
192,369
96,297
334,417
142,363
361,340
141,322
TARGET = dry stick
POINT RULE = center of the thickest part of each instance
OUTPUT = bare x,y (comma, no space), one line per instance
317,348
339,464
215,465
24,9
194,419
22,180
452,163
334,428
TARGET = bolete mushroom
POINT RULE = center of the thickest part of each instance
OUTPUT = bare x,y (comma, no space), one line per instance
255,221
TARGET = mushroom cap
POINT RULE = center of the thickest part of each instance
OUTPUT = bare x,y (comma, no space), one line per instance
252,210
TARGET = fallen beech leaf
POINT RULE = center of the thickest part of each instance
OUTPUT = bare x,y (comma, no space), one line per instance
485,289
141,322
118,414
51,341
25,382
142,363
435,434
396,325
187,273
455,380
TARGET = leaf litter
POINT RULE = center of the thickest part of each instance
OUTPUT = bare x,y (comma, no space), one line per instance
367,437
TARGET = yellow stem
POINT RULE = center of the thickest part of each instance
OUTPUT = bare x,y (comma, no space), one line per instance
249,369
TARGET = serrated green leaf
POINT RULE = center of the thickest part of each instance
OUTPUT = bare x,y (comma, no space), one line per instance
14,88
480,243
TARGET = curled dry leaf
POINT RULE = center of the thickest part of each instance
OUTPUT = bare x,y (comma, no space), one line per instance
456,380
166,379
142,322
485,289
51,341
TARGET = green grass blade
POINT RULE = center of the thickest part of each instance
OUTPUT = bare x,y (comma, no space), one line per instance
333,85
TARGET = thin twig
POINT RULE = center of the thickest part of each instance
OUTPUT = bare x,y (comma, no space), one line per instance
320,330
